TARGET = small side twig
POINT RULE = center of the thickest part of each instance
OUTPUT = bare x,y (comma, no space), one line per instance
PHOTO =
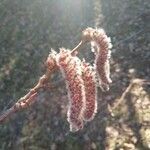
132,83
73,52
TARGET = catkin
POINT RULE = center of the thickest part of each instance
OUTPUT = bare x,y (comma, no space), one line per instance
102,45
90,92
71,69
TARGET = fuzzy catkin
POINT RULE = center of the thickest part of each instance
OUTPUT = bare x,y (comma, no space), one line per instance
102,45
90,92
71,69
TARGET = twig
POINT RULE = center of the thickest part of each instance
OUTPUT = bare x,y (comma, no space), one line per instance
132,83
18,106
73,52
28,99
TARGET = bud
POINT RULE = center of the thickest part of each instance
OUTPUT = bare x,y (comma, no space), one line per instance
87,34
71,69
90,92
51,60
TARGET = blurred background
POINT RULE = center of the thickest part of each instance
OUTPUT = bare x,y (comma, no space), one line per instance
29,29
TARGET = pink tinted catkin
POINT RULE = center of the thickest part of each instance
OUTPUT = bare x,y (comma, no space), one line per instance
102,45
88,76
71,69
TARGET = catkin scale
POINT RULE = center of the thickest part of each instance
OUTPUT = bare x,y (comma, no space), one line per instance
71,69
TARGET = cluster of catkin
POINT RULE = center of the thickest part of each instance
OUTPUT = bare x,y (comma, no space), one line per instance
81,77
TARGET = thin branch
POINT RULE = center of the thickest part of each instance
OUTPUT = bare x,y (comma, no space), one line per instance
132,83
28,99
73,52
18,106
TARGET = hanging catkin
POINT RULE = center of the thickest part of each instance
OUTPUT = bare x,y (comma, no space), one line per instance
90,92
71,69
102,45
